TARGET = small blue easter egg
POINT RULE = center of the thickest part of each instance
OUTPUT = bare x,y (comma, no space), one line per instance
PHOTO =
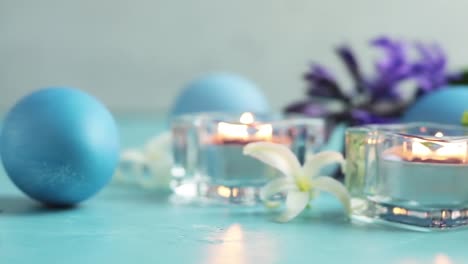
220,92
444,106
59,146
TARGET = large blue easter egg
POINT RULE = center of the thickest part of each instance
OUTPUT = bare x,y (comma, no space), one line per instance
59,146
220,92
443,106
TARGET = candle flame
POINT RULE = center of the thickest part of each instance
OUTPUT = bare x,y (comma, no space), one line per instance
235,192
227,192
399,211
445,151
458,150
247,130
264,131
228,130
420,151
224,191
247,118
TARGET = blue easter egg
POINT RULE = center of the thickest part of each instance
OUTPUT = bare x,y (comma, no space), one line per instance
220,92
59,146
444,106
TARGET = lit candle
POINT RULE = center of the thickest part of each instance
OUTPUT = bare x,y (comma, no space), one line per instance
411,175
208,153
430,172
230,169
420,151
246,131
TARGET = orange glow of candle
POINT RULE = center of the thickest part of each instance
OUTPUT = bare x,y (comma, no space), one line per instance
419,150
247,130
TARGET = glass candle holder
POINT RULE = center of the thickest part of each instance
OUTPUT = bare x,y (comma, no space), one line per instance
209,164
410,175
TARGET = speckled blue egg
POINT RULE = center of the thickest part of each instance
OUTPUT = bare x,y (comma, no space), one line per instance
220,92
443,106
60,146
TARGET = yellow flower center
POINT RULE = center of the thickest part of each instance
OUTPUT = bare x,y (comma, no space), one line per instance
464,119
304,184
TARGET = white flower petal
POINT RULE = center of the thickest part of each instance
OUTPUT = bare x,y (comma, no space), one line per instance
343,167
276,155
132,155
272,204
314,163
158,146
276,186
161,170
328,184
295,204
130,163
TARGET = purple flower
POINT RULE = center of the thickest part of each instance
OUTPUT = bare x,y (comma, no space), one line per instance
430,69
316,108
385,88
307,108
361,117
391,69
322,83
348,58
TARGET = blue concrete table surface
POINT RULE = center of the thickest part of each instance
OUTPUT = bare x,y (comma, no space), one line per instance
128,224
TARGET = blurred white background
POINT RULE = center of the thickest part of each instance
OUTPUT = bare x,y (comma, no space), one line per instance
136,55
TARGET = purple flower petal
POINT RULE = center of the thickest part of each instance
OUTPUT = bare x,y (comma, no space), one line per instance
394,69
430,70
321,83
454,77
347,56
361,117
306,108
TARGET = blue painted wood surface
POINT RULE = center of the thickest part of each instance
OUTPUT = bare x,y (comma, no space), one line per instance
126,224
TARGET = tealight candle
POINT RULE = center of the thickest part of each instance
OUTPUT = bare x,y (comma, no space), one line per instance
246,131
413,175
218,169
431,177
223,153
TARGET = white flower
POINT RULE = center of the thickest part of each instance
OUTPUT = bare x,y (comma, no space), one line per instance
150,166
299,183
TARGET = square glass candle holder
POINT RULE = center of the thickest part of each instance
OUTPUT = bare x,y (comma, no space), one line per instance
410,175
209,164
